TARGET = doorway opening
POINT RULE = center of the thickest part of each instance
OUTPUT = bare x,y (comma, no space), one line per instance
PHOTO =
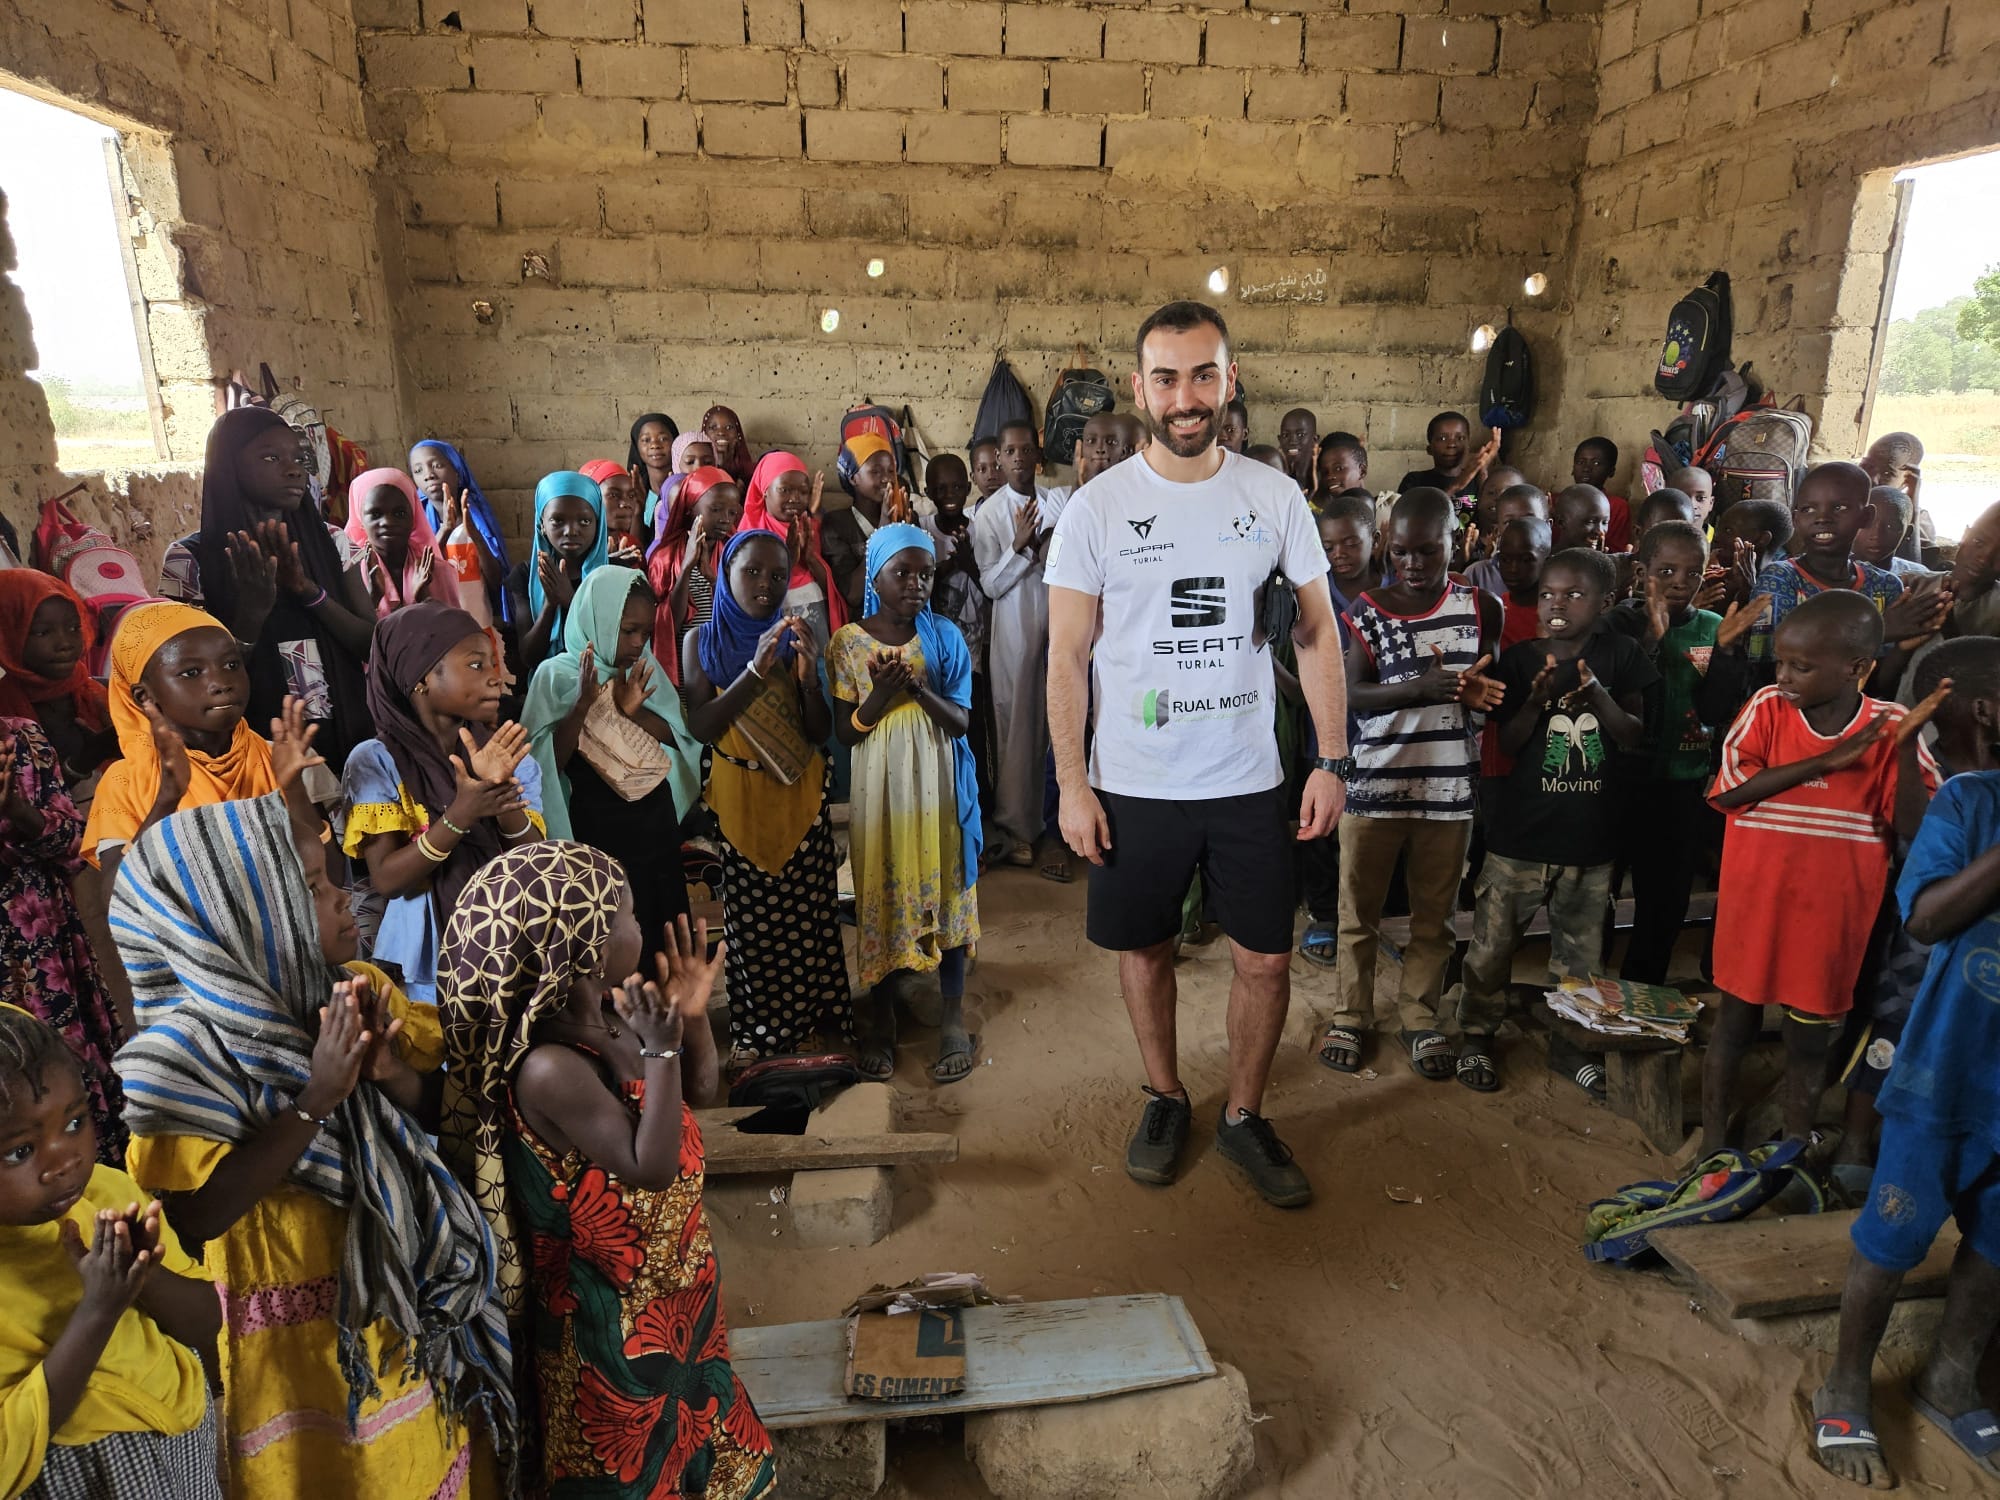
74,264
1939,374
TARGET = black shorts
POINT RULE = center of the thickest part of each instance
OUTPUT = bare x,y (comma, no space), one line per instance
1241,845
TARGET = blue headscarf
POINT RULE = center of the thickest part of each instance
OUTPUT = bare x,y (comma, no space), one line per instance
947,665
727,641
553,488
477,507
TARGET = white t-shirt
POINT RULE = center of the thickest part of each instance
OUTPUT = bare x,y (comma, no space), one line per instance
1184,697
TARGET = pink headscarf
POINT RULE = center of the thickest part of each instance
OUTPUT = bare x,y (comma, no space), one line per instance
757,517
601,469
685,441
442,585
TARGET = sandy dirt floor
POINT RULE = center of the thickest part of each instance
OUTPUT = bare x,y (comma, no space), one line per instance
1458,1346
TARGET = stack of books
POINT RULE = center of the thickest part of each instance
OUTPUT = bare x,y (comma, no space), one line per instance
1620,1007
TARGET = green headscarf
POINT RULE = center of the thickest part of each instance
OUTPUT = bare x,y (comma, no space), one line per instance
592,620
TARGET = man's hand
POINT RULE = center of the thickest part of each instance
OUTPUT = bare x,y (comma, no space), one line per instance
1320,808
1085,828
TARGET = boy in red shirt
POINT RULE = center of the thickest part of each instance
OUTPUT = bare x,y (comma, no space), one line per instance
1814,780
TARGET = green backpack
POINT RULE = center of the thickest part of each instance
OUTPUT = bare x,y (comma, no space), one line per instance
1729,1185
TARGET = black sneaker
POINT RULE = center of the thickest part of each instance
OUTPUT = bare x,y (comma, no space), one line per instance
1155,1152
1254,1146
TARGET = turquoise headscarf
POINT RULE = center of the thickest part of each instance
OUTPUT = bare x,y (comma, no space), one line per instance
593,621
552,488
948,666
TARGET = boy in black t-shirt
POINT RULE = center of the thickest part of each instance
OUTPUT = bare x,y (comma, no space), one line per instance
1551,823
1456,466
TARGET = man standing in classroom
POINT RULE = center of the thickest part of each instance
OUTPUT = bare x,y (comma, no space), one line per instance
1180,554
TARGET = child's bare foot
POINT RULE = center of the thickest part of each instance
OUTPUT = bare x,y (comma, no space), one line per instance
1843,1439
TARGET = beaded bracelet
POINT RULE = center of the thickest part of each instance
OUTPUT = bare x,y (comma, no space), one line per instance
461,832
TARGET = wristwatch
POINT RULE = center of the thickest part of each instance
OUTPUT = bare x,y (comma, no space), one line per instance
1343,767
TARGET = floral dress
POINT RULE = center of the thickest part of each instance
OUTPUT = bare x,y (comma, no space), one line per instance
911,903
630,1347
45,960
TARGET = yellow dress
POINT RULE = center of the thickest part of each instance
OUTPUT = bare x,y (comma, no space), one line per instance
284,1406
911,903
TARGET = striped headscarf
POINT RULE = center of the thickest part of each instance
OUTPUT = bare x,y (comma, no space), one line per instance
218,933
531,923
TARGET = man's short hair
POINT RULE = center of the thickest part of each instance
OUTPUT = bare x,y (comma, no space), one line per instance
1179,317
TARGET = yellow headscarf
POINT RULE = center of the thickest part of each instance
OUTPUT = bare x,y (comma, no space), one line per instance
129,785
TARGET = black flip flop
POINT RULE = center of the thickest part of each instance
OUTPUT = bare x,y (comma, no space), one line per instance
945,1050
1478,1058
1347,1039
1424,1046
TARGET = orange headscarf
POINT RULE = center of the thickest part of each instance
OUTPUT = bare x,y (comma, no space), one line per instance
125,793
22,592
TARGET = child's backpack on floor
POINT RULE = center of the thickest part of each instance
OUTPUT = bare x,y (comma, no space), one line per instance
1005,402
1507,395
1696,346
1758,454
1079,394
1729,1185
105,576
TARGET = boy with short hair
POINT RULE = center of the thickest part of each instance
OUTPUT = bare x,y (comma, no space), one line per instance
1940,1152
1880,538
1828,511
1010,534
1268,454
1699,486
1897,458
1416,672
1516,502
1814,780
1551,822
1595,463
1499,479
956,595
1667,504
1665,818
1524,545
1298,440
1235,431
1582,517
1104,441
987,476
1456,466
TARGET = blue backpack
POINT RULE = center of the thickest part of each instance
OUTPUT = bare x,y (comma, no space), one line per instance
1729,1185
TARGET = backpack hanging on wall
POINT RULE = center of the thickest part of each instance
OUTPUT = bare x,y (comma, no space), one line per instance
1507,395
105,576
1689,432
1079,394
1758,454
1696,347
1005,402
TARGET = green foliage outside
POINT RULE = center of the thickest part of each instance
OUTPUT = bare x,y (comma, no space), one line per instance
1945,348
95,411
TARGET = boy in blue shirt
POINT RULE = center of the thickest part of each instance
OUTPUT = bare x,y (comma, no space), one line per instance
1940,1152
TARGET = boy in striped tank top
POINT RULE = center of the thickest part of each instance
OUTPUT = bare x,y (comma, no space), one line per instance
1416,678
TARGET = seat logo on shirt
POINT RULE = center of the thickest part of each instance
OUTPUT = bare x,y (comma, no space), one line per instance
1199,603
1143,529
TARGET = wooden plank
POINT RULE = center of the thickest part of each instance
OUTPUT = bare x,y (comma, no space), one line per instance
1026,1354
1761,1267
736,1151
1645,1087
1396,930
722,1116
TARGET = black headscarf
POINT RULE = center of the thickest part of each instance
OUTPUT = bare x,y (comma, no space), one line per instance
407,645
224,509
635,465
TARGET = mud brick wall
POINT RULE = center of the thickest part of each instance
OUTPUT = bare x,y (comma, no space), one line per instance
1762,136
248,164
701,179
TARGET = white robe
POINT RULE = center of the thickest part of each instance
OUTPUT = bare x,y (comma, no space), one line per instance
1017,656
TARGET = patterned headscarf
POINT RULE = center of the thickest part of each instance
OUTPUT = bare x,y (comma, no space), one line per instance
217,930
947,666
532,923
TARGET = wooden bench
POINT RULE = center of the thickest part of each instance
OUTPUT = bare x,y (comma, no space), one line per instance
1763,1267
1642,1077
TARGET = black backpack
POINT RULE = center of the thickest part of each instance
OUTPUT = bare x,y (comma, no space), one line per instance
1006,401
1696,347
1507,395
1079,394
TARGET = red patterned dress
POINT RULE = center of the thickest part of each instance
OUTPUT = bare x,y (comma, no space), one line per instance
630,1347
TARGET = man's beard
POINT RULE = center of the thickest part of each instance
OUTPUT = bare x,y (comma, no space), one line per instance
1193,444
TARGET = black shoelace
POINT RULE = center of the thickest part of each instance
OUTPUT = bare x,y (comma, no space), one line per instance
1267,1139
1159,1115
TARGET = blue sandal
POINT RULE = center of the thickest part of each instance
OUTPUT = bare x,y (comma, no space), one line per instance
1320,945
1976,1432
